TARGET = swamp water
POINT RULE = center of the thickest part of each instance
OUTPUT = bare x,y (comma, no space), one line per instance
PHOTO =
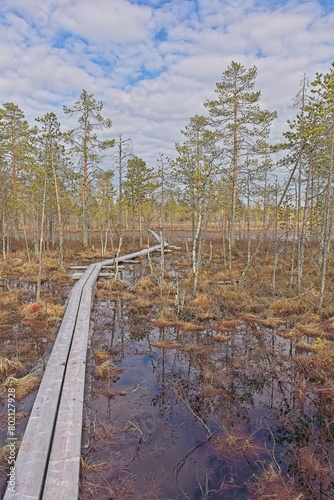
182,414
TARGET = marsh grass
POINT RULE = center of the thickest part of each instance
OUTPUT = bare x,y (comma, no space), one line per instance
23,386
42,310
101,356
107,370
9,298
165,344
227,325
8,365
187,326
272,485
219,337
196,348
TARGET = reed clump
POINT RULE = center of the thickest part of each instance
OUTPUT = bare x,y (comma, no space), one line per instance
9,365
165,344
42,310
107,370
23,386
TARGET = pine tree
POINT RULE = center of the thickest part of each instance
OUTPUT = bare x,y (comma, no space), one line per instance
243,127
87,147
51,139
139,185
15,139
196,170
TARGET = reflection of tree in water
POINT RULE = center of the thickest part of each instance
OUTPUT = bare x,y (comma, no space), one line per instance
240,400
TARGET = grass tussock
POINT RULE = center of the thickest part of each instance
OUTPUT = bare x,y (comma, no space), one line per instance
141,303
165,344
23,386
162,322
235,301
41,310
290,334
107,369
219,337
113,394
144,286
115,285
236,441
9,298
196,348
210,391
287,307
201,301
101,356
8,365
186,326
271,485
312,330
228,325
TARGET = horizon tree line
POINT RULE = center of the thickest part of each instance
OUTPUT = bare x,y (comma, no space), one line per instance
226,175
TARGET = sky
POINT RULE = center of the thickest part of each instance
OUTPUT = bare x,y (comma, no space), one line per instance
154,62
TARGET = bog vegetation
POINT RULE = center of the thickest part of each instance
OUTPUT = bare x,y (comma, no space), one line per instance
256,222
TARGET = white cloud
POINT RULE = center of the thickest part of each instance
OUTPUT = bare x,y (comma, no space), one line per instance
103,21
154,63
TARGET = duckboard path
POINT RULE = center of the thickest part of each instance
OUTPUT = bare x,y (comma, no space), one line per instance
48,462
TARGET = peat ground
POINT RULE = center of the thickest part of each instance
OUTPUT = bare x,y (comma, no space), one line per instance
224,394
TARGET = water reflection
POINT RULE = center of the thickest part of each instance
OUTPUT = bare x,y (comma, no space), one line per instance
190,416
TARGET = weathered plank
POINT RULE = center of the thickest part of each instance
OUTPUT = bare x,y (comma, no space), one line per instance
32,458
62,479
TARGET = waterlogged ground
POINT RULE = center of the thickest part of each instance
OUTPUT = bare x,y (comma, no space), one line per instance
206,412
27,333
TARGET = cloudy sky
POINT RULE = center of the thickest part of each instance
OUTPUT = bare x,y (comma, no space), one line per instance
154,62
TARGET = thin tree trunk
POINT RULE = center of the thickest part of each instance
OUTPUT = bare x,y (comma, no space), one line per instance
59,214
41,240
327,226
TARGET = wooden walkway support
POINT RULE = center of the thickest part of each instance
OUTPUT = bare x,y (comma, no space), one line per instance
48,461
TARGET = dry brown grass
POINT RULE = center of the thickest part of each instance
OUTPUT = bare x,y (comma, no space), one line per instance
89,466
42,311
311,330
101,356
50,263
162,322
270,322
196,348
202,300
165,344
290,333
227,325
272,486
7,365
209,391
115,284
235,441
141,303
23,386
186,326
9,298
107,369
219,337
288,307
144,286
113,394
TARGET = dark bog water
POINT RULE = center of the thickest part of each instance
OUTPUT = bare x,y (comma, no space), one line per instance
191,415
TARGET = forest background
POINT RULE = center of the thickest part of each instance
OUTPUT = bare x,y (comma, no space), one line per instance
226,176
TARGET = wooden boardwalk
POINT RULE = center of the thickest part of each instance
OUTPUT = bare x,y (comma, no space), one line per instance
48,461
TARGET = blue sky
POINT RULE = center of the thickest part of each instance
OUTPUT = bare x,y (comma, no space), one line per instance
154,62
